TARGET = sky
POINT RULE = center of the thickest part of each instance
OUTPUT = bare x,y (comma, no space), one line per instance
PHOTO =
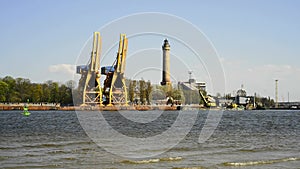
256,41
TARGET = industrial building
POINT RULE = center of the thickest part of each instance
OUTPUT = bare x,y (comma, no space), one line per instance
192,84
113,91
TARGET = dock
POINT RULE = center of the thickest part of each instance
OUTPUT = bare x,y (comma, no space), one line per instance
50,106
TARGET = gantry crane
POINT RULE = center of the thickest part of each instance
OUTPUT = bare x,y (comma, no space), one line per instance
114,90
89,83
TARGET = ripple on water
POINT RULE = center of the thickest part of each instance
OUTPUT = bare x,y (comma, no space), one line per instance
155,160
260,162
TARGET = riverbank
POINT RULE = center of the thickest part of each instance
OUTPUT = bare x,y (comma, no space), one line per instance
45,107
92,108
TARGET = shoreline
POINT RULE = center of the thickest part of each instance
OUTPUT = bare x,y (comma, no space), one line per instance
121,108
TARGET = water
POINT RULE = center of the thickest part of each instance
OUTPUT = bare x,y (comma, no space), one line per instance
243,139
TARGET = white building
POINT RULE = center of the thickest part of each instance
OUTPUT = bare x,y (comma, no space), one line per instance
192,85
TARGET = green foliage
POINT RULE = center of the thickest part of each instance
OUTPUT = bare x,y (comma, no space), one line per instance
37,93
11,94
54,92
142,91
4,88
139,90
132,85
46,93
20,89
176,94
162,92
148,92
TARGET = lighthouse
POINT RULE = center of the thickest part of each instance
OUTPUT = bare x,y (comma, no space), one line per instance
166,64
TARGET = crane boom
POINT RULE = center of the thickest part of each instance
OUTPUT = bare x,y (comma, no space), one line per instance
115,90
89,82
208,101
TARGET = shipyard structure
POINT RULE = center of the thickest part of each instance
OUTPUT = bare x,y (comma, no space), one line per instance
112,92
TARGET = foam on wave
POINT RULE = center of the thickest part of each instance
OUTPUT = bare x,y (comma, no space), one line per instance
261,162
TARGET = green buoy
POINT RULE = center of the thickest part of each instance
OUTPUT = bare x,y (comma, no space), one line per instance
25,109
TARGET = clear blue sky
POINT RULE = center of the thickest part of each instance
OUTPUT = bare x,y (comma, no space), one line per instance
257,41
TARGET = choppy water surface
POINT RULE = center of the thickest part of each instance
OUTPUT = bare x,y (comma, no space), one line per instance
243,139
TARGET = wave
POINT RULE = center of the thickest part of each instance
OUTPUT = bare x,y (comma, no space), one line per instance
181,149
53,144
188,168
155,160
250,163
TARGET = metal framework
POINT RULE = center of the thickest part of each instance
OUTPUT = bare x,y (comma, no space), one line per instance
116,84
90,76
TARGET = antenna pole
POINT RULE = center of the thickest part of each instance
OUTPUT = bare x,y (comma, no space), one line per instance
276,93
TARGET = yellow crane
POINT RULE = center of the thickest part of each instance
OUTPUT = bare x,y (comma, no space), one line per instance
89,83
114,90
208,100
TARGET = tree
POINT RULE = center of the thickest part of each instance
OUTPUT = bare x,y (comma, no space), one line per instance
65,95
69,92
23,89
148,92
177,94
54,92
36,93
142,91
46,93
62,93
11,95
4,89
131,91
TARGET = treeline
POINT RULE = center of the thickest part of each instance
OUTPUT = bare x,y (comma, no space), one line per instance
139,92
142,92
21,89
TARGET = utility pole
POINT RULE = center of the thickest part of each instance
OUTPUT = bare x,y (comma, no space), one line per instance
276,93
190,74
190,81
254,105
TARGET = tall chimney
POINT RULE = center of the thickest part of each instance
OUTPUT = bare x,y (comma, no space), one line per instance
166,63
